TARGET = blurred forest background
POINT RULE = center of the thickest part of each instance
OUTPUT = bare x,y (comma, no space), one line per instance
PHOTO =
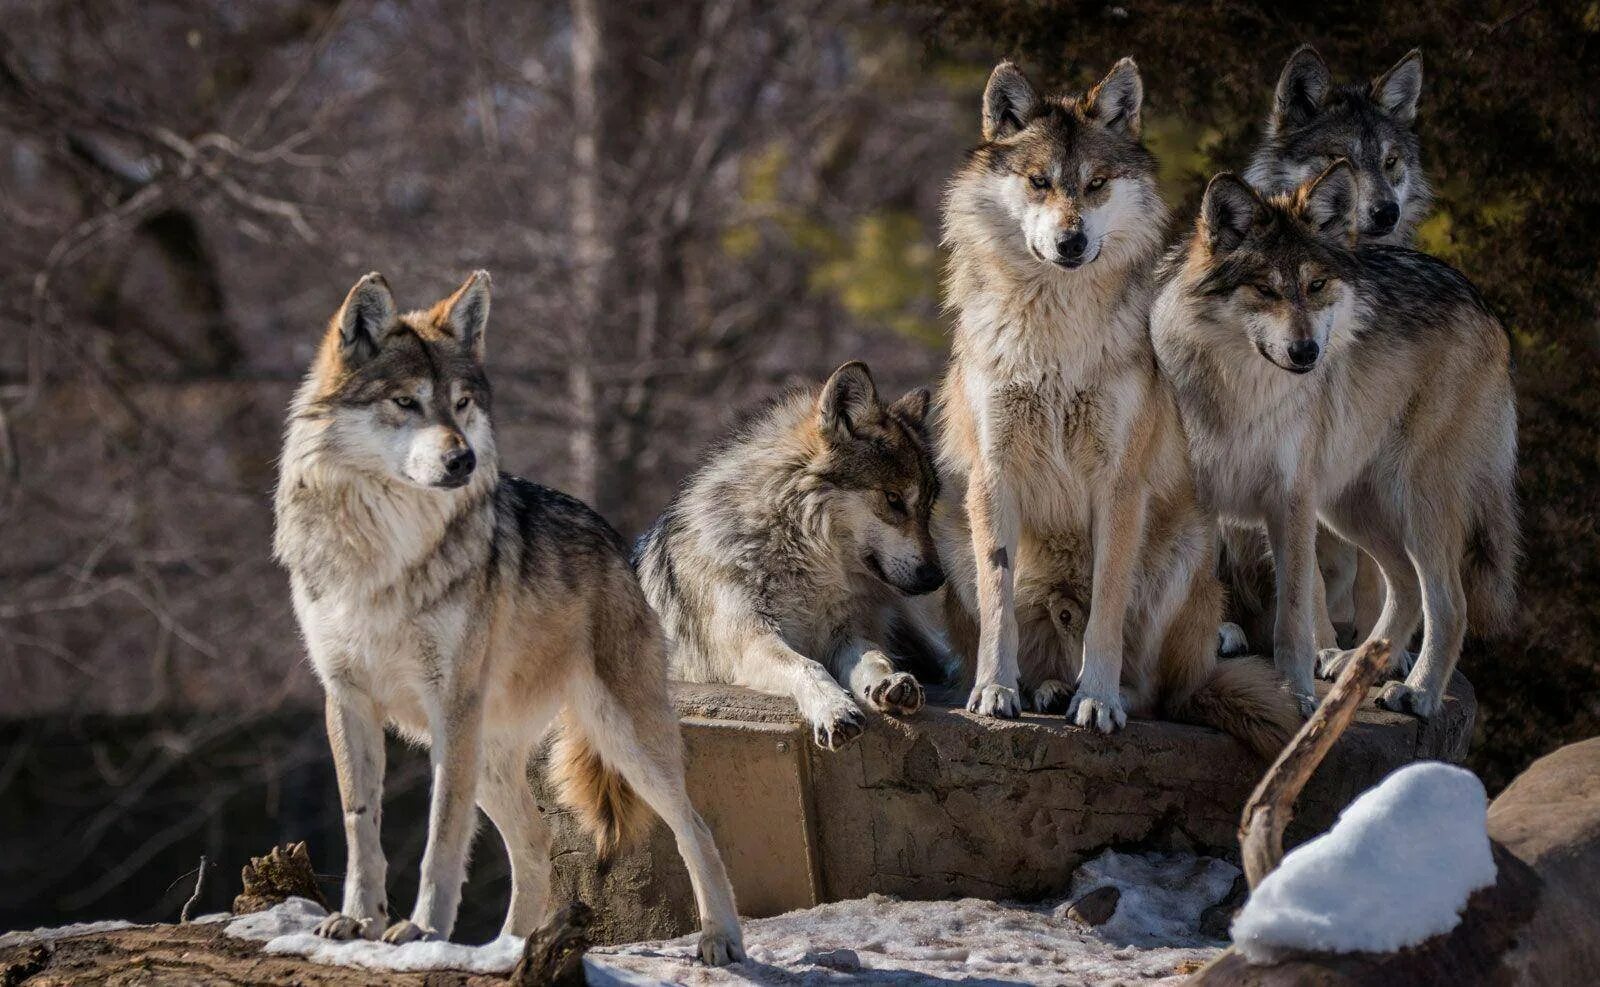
685,206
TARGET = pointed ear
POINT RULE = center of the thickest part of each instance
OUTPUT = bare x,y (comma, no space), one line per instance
1398,89
848,400
913,407
1009,102
1228,211
1116,101
465,314
1303,88
1329,200
367,313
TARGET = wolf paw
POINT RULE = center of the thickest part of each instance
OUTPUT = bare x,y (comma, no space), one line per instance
994,700
1052,696
1402,698
405,931
1231,642
1104,713
721,948
899,693
342,926
838,727
1332,661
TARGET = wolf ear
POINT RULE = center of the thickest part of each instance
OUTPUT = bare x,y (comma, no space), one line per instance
466,313
1398,89
1229,210
848,399
1116,101
913,406
367,313
1302,89
1009,102
1330,200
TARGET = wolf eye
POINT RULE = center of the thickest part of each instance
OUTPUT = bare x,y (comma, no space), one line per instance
1040,182
406,402
1316,286
463,401
895,501
1391,161
1264,291
1095,184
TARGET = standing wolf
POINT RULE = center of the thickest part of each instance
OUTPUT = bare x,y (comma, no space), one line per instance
1062,438
786,558
469,609
1313,123
1368,387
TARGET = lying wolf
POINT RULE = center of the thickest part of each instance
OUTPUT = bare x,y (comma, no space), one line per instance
469,610
786,558
1063,442
1367,387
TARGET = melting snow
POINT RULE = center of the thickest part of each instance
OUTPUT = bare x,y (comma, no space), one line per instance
1396,869
22,938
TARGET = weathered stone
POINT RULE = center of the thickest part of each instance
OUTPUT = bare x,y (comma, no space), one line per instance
1096,907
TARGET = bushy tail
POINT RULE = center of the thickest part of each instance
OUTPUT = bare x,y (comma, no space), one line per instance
605,803
1247,698
1489,569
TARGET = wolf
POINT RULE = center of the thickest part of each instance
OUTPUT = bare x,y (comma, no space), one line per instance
786,560
1087,559
470,610
1365,386
1312,123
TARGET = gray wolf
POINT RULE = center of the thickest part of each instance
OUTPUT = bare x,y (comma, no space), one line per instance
470,610
787,558
1087,558
1366,386
1312,123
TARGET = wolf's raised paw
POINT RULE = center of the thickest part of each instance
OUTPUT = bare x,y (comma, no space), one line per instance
1104,713
405,931
341,926
1231,641
1052,696
721,948
842,725
899,693
1332,661
1402,698
994,700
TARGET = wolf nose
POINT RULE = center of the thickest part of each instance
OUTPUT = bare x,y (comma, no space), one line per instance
1382,217
458,465
928,577
1303,352
1070,247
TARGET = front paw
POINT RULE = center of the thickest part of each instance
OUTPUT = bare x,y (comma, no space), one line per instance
405,931
899,693
1104,713
1231,641
340,926
994,700
1332,661
841,723
1052,696
1402,698
721,948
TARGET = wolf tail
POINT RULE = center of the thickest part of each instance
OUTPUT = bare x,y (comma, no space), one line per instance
605,803
1489,568
1244,697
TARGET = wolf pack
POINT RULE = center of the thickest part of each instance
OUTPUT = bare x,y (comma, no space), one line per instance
1141,447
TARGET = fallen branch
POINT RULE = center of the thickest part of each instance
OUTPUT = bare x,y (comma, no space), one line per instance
553,956
194,899
1271,805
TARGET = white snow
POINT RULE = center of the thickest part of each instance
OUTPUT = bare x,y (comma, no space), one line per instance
1163,895
1396,869
24,937
286,927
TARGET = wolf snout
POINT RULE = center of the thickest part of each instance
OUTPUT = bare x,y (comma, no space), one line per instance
928,577
1070,248
1382,218
458,467
1303,354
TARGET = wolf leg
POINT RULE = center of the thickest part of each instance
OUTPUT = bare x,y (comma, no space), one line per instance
995,534
1337,562
507,799
1292,531
874,681
769,665
355,732
1444,603
1118,536
1397,621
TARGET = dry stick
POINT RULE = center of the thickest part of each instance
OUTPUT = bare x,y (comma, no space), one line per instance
199,883
1271,805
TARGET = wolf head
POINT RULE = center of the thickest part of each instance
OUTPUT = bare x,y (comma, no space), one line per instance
1279,267
875,459
1313,123
405,396
1060,180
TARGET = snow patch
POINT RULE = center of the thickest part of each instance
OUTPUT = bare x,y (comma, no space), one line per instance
1163,895
287,930
1395,870
24,937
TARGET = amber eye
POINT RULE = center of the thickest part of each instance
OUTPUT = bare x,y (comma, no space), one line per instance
1391,161
406,402
1040,182
463,401
1316,286
1096,183
895,501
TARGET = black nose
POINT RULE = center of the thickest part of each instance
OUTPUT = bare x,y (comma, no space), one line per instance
1303,352
1382,217
1070,246
458,465
928,577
